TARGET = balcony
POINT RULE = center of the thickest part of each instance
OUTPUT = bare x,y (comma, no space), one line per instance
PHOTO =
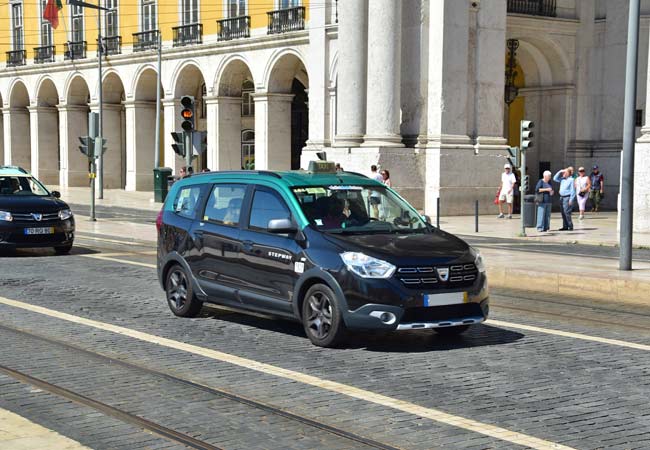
188,34
234,28
545,8
44,54
16,58
285,20
75,50
112,45
145,40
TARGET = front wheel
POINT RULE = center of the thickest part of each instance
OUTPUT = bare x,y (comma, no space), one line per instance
452,331
180,296
322,318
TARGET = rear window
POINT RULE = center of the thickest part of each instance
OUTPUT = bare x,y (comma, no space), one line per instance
186,201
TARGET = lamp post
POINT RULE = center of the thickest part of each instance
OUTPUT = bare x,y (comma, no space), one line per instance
511,91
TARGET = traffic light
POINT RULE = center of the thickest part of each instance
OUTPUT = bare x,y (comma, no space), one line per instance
179,143
525,183
199,142
187,112
99,145
87,146
515,157
526,136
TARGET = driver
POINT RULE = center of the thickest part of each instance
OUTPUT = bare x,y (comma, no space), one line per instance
335,216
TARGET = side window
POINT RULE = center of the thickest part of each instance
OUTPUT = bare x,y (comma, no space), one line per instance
186,201
224,204
267,206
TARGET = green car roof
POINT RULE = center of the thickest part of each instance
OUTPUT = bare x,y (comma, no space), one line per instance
13,171
292,178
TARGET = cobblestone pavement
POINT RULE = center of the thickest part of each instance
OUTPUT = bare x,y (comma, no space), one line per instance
578,393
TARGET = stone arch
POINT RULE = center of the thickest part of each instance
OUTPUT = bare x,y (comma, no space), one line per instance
73,119
184,78
76,90
144,82
231,75
544,61
114,130
282,69
45,134
18,129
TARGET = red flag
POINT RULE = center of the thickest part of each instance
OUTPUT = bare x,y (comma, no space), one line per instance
51,13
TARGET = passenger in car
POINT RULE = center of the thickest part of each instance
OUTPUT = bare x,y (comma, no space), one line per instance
232,213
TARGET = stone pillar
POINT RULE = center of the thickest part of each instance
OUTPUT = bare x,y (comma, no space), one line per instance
224,133
44,136
352,64
140,140
383,93
73,122
642,166
272,131
318,77
113,132
17,137
172,114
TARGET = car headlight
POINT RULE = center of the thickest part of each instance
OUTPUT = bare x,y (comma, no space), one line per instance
6,216
65,214
366,266
478,260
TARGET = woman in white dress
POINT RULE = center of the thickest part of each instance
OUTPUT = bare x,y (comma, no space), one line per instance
583,186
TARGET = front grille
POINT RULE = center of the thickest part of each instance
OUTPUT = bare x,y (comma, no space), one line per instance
446,312
29,217
460,275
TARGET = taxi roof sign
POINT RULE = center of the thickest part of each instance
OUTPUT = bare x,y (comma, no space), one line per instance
322,167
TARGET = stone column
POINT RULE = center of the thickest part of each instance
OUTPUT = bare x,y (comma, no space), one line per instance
73,122
318,77
171,111
17,137
352,66
140,139
44,136
114,169
383,92
642,165
272,131
224,133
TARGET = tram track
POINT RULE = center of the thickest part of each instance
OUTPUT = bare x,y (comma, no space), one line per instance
156,428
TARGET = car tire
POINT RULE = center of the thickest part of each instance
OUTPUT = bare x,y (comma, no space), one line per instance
321,317
63,249
452,331
179,293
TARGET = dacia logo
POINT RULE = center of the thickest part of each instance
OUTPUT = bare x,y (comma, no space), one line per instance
37,217
443,273
278,255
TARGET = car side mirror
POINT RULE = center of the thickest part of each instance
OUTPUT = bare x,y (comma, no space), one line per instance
281,226
56,194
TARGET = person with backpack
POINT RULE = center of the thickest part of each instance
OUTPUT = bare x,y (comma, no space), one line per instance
597,188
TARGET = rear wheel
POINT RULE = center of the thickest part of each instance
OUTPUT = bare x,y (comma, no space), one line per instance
452,331
180,296
321,317
63,249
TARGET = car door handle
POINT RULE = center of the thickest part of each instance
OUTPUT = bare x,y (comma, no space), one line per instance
248,245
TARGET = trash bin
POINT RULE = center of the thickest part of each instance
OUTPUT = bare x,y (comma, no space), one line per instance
160,184
530,211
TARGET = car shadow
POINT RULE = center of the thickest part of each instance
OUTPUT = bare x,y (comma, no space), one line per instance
481,335
44,252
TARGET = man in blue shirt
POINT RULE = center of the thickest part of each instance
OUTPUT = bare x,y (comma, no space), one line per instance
567,196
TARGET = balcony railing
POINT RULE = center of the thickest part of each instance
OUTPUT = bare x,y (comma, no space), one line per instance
533,7
145,40
16,58
112,45
75,50
44,54
188,34
284,20
234,28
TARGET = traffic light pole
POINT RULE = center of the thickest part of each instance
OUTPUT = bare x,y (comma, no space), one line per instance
100,45
156,157
92,190
189,150
522,191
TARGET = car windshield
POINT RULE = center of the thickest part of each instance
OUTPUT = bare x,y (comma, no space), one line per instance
358,210
21,185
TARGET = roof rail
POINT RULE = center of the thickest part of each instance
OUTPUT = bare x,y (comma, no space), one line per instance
18,168
356,173
240,172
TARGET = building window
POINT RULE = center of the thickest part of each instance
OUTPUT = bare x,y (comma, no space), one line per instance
248,149
110,18
46,27
247,103
149,15
236,8
285,4
190,12
17,26
77,18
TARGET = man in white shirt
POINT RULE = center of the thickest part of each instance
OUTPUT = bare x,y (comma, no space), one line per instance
375,196
507,192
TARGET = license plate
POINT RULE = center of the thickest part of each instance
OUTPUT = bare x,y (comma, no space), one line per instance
41,230
448,298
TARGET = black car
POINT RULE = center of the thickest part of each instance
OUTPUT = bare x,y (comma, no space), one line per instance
336,251
32,216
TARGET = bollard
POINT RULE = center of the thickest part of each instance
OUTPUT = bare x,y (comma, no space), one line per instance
438,213
476,217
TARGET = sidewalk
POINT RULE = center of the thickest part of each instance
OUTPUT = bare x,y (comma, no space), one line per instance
553,273
18,433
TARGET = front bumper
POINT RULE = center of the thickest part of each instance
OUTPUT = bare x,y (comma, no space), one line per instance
12,234
393,307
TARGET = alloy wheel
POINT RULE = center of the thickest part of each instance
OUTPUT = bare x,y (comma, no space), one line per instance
319,318
177,289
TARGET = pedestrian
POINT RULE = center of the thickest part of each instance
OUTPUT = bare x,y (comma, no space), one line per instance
507,192
339,169
375,195
543,194
185,172
567,196
597,191
385,178
583,187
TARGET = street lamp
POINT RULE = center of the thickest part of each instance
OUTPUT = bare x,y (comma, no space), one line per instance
511,91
